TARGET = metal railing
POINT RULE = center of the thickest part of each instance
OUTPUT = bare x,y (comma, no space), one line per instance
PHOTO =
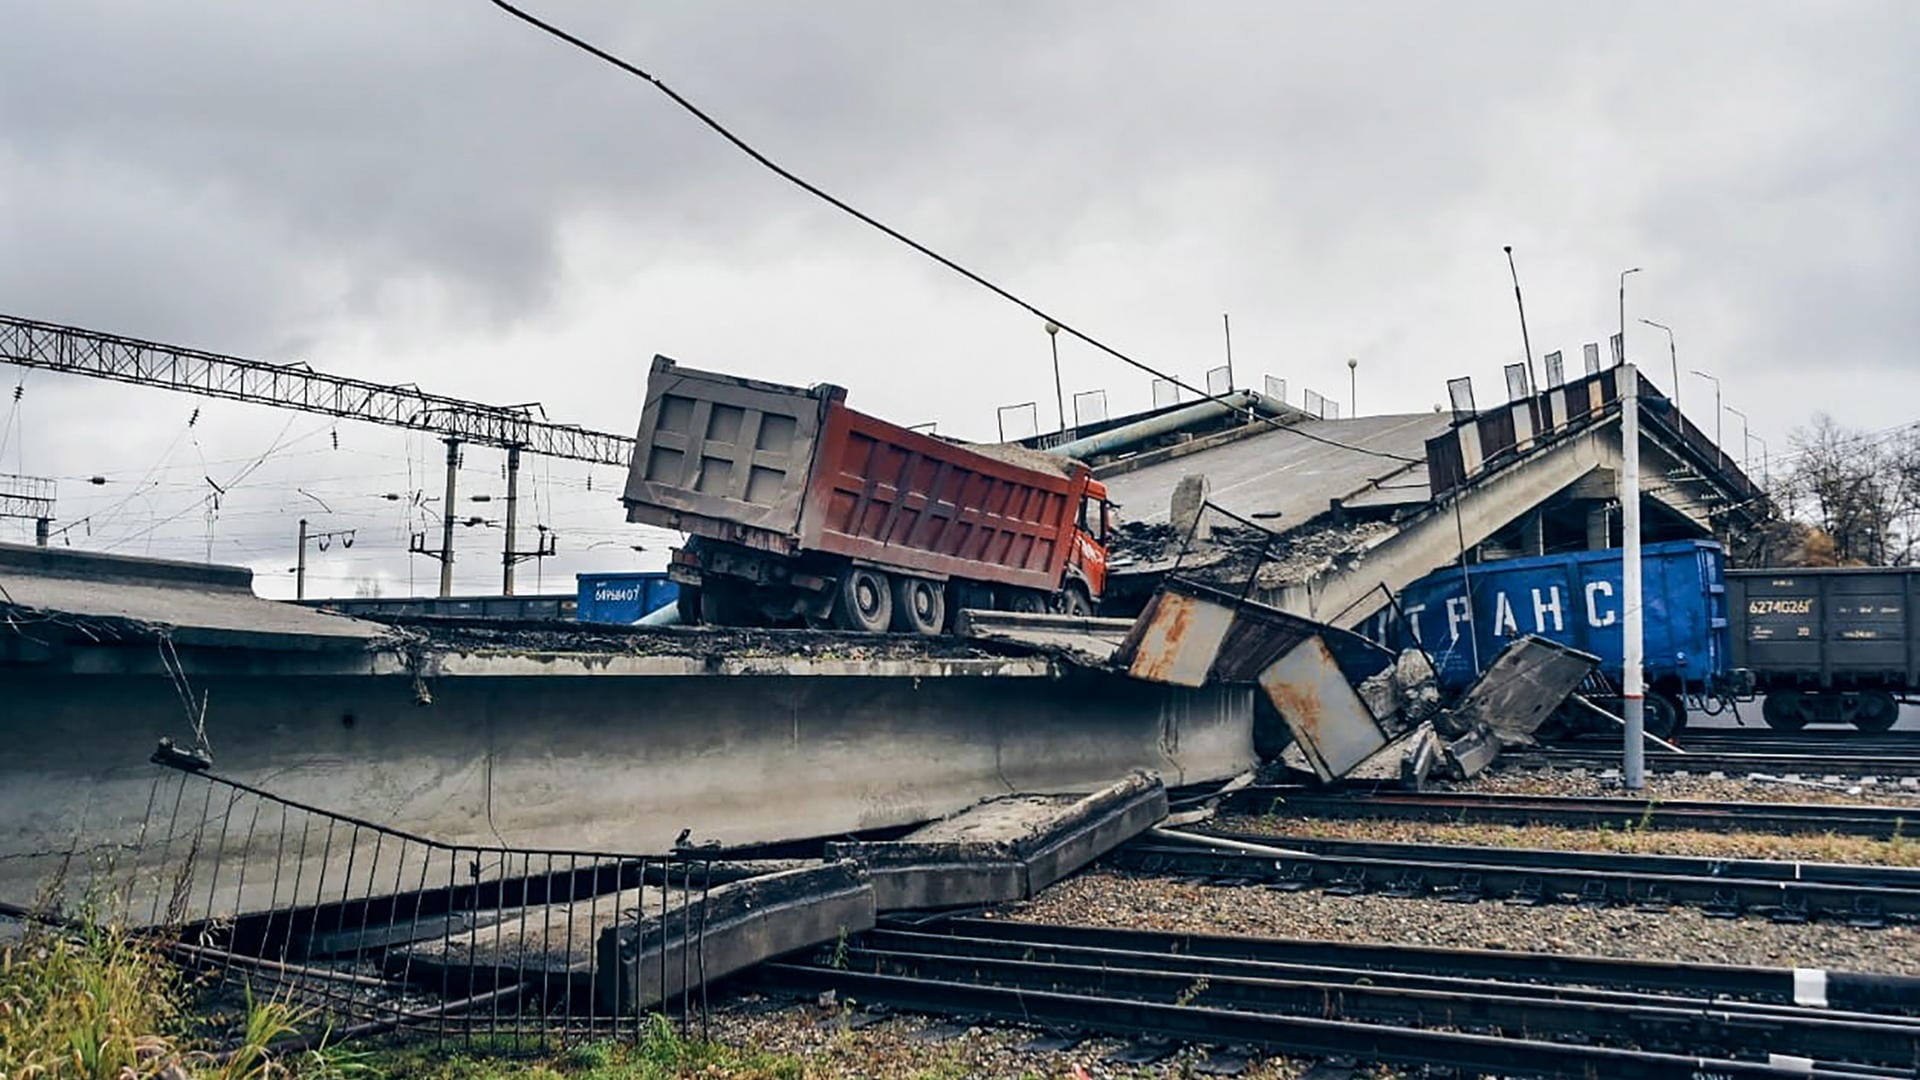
365,929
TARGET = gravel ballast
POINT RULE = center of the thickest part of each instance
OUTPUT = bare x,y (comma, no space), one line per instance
1110,898
1700,788
1727,845
916,1046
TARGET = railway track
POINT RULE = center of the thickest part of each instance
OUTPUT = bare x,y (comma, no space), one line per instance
1877,822
1732,763
1767,740
1471,1010
1861,896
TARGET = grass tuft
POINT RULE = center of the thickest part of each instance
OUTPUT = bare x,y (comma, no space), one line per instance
92,1004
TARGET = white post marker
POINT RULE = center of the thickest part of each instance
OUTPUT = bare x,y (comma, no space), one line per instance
1633,682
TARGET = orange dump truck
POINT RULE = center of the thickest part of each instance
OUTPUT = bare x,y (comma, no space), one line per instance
801,510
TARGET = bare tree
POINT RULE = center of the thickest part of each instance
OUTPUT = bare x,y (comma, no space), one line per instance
1861,490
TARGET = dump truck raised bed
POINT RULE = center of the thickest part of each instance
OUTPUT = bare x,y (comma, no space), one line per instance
799,509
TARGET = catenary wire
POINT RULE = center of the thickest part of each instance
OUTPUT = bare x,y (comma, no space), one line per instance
867,219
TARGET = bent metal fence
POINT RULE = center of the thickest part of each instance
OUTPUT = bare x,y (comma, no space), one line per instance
369,929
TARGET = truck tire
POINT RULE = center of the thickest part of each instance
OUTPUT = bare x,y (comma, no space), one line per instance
1027,602
1073,601
919,606
1783,711
1876,712
864,601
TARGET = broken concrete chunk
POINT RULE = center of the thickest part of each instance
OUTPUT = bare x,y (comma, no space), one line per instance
646,958
1007,848
1189,508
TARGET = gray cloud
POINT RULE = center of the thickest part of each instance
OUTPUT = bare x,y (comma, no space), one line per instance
431,192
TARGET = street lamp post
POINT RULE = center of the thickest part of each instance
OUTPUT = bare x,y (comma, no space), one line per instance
1353,386
1718,448
1766,469
1673,357
1623,312
1746,441
1059,396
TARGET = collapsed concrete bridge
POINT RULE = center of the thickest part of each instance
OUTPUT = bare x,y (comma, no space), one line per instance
556,735
1364,506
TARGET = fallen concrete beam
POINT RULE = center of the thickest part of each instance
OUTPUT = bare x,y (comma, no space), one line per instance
645,961
1083,639
1007,848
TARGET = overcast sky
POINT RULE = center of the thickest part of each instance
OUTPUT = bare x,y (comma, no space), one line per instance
431,192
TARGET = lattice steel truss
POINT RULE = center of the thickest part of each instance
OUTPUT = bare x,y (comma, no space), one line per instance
52,347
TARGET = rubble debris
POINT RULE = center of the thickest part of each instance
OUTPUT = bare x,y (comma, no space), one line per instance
1523,686
1189,516
490,635
1007,848
1232,552
1345,699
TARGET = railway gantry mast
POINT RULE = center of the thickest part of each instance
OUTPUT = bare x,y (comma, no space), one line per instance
513,428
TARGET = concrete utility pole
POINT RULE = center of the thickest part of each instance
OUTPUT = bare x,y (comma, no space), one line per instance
448,516
1059,395
345,536
447,510
1633,680
1718,449
513,506
1673,357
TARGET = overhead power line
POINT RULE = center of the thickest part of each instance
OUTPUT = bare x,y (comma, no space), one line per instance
867,219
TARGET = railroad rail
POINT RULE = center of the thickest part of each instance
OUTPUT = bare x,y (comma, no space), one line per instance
1867,897
1732,763
1472,1010
1876,822
1768,741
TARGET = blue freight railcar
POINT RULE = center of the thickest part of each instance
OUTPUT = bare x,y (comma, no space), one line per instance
623,598
1575,599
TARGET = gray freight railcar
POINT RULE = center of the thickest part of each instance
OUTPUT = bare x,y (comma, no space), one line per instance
1827,645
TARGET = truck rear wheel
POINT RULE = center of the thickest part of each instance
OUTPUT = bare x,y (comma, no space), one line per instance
1784,711
919,605
1876,711
1073,601
864,601
1026,602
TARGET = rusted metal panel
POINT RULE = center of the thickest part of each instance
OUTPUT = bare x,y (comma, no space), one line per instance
725,457
1326,715
1191,634
1522,687
1176,639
